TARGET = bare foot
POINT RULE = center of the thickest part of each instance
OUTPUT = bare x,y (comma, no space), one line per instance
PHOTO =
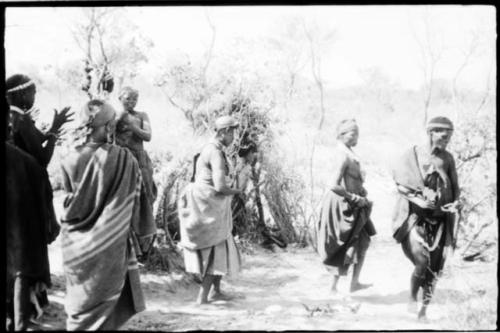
422,317
360,286
220,296
201,301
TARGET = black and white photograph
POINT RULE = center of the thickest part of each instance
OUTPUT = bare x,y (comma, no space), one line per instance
238,167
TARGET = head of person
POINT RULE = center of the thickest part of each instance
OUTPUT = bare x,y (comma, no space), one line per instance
348,132
20,91
439,131
99,118
248,153
224,129
129,97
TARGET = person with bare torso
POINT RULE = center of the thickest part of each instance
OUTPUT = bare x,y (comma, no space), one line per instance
343,239
132,129
205,216
427,183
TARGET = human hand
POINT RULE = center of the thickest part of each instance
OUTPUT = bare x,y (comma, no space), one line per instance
60,118
363,202
425,204
451,207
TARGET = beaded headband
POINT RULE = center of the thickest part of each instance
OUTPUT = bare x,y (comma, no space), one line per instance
21,86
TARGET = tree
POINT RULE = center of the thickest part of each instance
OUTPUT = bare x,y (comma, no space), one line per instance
293,55
318,42
186,85
430,43
380,86
112,49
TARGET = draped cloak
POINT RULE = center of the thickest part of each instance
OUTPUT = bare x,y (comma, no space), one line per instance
100,226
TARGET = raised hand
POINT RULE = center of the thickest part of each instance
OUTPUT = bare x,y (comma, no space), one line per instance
61,118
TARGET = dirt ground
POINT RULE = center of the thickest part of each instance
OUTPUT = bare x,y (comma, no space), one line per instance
289,290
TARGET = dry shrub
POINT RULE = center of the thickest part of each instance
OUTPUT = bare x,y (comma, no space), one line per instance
173,181
474,148
283,191
469,296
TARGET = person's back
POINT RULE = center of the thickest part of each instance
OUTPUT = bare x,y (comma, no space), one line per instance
203,173
100,226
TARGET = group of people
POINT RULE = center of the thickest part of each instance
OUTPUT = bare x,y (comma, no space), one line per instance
107,225
424,219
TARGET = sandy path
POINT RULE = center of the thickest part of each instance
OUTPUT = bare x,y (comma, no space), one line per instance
274,289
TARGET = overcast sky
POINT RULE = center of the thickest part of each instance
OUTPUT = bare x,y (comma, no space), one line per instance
367,36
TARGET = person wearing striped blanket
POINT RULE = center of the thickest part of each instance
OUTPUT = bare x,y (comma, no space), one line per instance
100,226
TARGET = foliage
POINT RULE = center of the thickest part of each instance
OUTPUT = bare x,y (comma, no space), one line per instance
111,46
284,191
475,152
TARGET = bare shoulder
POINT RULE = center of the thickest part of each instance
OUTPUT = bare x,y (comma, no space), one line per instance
339,154
210,150
143,115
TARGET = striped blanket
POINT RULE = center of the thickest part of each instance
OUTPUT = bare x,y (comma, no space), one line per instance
99,229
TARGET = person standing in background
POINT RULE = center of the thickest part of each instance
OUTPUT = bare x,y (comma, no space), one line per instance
132,129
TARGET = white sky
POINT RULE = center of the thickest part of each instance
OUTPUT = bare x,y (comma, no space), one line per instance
367,36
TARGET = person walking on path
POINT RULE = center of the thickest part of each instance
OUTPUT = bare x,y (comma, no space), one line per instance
427,208
344,228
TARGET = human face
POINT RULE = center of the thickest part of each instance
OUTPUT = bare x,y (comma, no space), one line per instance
350,139
129,101
28,97
228,136
440,137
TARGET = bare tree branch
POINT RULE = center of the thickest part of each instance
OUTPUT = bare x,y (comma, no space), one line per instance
209,52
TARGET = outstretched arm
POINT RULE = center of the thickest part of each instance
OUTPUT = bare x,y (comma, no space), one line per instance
33,140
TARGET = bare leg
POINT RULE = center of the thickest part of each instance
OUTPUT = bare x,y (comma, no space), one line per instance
355,284
431,276
217,280
419,256
427,296
22,306
217,293
415,284
334,283
205,288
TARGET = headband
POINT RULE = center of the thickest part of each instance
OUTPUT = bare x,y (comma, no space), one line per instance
21,86
346,125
